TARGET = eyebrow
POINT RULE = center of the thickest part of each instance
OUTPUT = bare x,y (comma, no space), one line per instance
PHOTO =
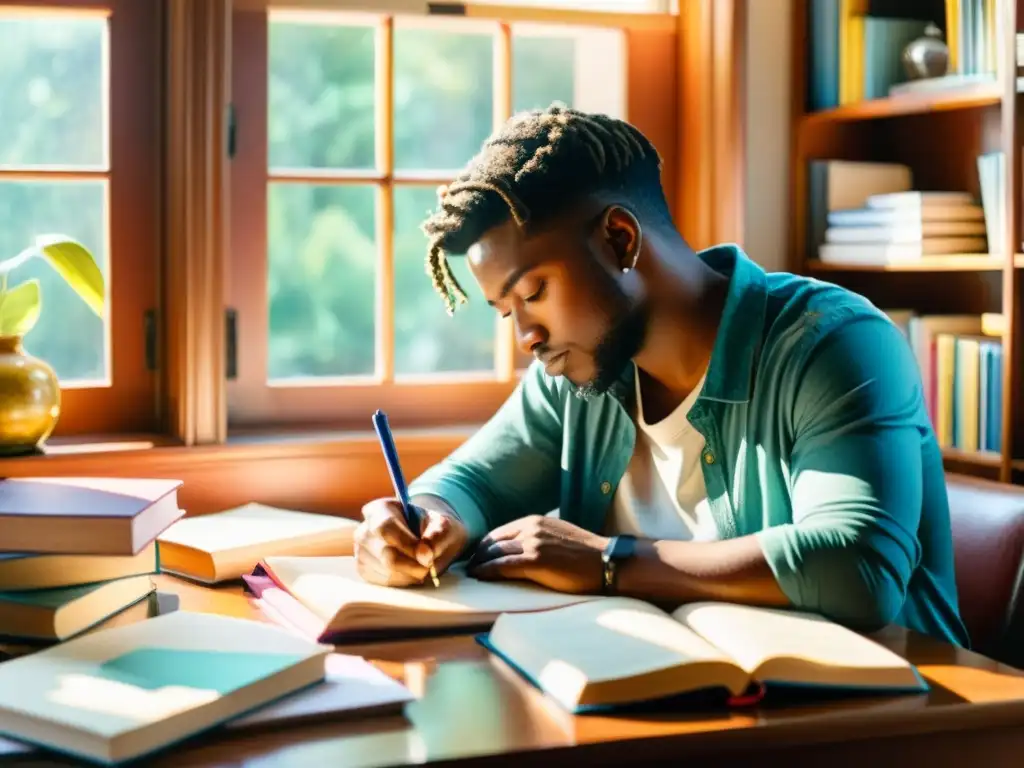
510,282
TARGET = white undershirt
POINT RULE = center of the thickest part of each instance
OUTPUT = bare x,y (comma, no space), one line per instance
662,495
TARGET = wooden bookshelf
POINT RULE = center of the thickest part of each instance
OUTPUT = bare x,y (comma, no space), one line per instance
939,135
967,97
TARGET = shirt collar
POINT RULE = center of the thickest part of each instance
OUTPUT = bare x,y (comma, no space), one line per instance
730,374
738,343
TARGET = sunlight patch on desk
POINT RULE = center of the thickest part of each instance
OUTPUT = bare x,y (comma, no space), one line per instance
974,685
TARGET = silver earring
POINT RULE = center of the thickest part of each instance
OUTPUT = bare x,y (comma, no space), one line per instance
636,253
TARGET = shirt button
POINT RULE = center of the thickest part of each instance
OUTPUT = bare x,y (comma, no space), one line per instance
606,487
709,457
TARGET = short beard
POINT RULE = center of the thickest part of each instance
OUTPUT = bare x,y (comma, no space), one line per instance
617,348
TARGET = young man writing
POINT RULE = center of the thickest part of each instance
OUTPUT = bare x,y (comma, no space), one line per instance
704,429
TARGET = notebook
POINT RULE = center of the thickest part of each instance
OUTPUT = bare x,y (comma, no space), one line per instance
617,652
85,515
56,614
226,545
352,688
121,693
325,598
19,571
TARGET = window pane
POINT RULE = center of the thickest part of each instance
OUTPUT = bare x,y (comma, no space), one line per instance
323,259
443,97
583,67
53,79
321,99
543,71
427,340
68,335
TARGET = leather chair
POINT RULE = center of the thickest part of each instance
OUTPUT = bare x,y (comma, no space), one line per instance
987,520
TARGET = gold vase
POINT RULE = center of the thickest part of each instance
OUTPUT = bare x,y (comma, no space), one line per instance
29,399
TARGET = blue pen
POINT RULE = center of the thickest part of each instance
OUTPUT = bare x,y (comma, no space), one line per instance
387,443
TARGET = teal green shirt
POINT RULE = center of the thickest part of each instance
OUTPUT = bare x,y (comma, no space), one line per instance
817,441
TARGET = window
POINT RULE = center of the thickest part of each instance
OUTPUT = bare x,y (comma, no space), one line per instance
347,124
78,156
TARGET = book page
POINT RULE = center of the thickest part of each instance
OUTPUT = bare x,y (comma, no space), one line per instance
795,647
326,585
614,650
252,525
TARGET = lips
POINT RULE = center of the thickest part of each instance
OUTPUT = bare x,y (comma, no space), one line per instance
554,365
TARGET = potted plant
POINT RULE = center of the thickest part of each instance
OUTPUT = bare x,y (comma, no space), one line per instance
29,390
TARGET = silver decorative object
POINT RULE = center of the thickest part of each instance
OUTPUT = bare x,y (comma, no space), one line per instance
927,56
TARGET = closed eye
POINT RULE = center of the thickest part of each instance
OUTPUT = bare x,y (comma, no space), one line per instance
537,295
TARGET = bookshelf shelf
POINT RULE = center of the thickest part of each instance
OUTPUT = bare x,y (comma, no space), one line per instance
962,312
966,97
952,263
979,458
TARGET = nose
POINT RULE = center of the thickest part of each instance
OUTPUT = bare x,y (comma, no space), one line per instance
529,334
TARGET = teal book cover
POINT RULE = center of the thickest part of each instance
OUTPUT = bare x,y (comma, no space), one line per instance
118,694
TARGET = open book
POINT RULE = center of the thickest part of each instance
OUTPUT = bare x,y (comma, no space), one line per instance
619,651
324,598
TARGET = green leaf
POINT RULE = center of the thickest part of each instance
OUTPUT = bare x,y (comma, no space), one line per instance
73,262
19,308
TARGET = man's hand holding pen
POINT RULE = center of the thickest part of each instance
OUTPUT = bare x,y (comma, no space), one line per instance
388,553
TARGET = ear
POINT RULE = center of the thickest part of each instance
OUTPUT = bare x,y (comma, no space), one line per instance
621,231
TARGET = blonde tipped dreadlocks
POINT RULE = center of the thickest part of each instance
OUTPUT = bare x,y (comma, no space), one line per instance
538,163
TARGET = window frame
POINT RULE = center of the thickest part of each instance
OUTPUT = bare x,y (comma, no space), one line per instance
435,400
127,404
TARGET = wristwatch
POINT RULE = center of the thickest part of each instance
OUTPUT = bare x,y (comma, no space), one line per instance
619,548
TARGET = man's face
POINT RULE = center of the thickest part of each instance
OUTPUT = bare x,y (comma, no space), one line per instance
567,295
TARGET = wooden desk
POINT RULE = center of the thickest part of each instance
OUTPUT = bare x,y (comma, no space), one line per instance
473,711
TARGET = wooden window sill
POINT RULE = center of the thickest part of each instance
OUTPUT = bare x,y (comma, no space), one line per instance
327,471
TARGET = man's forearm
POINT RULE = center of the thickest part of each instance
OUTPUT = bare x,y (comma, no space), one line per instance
732,570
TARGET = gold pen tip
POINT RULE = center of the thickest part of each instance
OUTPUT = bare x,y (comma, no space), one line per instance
433,577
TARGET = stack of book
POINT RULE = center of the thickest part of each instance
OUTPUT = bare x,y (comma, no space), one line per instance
905,226
961,361
868,213
76,551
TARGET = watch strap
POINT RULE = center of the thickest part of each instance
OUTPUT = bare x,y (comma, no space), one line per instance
619,548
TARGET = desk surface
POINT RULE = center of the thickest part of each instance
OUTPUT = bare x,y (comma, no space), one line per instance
472,710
